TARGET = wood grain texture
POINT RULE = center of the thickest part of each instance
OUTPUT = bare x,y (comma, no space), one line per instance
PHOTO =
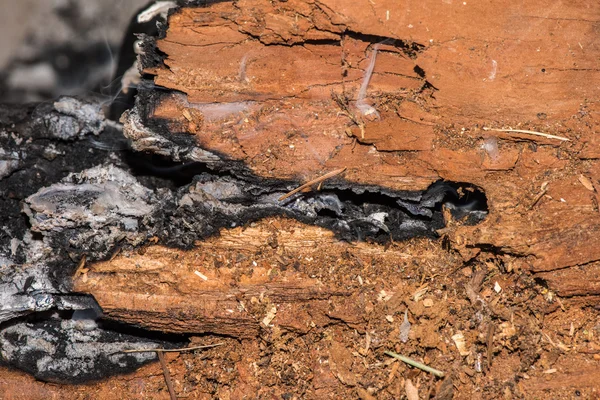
275,86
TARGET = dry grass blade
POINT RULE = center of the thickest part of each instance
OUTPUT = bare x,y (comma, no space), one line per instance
312,182
546,135
416,364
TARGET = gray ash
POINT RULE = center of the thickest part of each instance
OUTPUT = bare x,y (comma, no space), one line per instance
72,350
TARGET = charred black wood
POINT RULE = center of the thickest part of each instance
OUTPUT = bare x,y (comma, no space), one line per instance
73,188
73,349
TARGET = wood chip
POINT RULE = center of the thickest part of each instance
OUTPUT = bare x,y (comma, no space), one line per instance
393,371
412,393
201,275
270,316
384,296
420,292
490,344
445,390
461,344
497,287
187,115
364,395
586,183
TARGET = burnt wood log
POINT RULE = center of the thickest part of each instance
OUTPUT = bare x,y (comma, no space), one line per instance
451,151
398,105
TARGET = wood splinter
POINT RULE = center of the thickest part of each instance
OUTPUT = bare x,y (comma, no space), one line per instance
312,182
167,375
543,191
542,134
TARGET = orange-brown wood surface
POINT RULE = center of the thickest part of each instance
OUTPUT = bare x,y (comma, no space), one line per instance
276,86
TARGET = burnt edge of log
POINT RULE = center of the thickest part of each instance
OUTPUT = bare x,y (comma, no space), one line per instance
54,165
91,212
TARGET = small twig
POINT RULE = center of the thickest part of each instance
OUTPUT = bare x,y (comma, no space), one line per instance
416,364
543,191
81,263
208,346
115,253
313,182
548,136
167,375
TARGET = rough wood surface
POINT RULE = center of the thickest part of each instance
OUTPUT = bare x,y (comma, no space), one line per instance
259,97
298,269
253,96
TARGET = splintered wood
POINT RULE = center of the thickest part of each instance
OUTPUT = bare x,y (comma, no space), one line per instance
301,91
254,274
256,98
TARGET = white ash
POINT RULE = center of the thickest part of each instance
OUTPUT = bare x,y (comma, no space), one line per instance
71,351
101,196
